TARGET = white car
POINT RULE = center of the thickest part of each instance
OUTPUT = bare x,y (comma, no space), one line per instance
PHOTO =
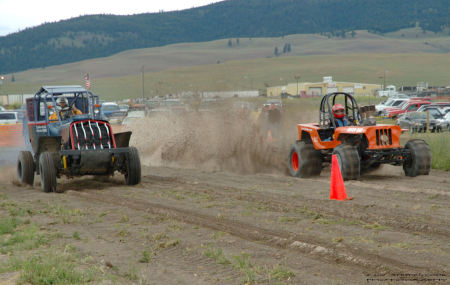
9,117
447,120
391,102
2,108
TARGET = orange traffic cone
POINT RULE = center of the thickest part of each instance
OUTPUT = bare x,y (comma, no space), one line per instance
337,187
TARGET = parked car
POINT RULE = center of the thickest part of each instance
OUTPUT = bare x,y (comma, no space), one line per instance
111,111
408,106
417,122
447,120
436,105
7,117
391,102
436,111
399,96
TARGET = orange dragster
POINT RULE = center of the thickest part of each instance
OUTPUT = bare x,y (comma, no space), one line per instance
359,144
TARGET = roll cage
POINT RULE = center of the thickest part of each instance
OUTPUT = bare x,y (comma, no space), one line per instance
326,118
77,96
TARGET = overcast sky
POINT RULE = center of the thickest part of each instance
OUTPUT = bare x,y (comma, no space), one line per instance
17,15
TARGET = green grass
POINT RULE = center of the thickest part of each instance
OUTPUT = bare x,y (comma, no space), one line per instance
27,238
281,273
49,268
8,225
76,235
65,215
243,263
15,210
216,254
440,148
375,226
35,255
252,274
146,257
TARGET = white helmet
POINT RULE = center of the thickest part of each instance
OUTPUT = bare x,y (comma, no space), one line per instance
61,100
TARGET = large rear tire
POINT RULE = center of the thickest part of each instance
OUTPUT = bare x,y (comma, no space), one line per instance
25,168
349,161
133,167
304,160
47,170
419,162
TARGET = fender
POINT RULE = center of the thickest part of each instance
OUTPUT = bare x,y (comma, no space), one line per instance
46,143
122,139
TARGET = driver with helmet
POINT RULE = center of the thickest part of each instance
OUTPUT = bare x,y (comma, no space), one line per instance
65,111
340,118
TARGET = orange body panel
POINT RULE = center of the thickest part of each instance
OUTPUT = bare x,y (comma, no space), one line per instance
379,136
11,135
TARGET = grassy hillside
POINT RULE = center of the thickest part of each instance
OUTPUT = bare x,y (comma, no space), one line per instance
251,64
94,36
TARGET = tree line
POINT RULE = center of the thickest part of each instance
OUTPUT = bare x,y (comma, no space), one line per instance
103,35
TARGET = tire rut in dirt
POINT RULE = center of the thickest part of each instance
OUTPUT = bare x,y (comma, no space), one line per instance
369,214
274,238
191,261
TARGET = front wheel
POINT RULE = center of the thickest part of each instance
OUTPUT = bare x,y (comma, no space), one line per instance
47,170
304,160
349,161
419,161
25,168
133,167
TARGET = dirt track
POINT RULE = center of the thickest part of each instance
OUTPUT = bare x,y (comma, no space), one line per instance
206,223
394,225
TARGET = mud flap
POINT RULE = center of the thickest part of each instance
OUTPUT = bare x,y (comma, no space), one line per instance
122,139
47,143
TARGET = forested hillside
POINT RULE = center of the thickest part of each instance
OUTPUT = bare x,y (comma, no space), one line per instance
102,35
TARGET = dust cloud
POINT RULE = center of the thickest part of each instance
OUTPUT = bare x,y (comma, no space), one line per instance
212,140
8,173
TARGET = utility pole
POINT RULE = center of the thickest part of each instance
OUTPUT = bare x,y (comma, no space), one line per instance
1,81
297,77
384,80
2,77
143,90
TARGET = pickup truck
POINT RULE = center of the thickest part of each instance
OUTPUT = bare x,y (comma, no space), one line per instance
389,91
408,106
